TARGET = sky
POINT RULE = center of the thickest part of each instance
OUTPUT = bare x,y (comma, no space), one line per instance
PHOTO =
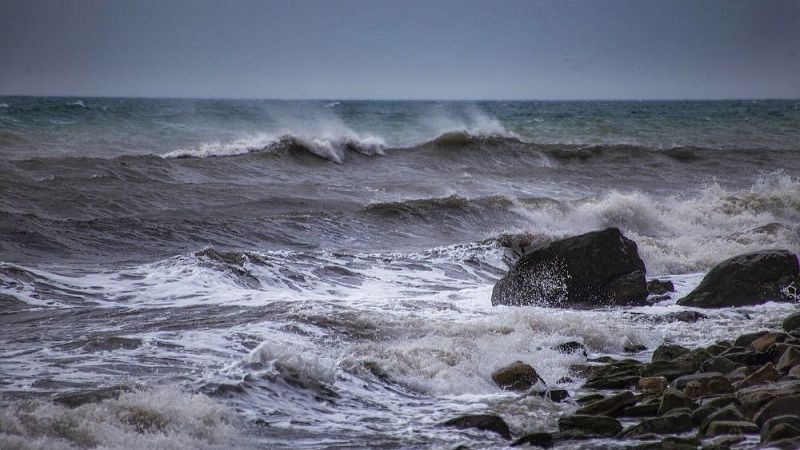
404,49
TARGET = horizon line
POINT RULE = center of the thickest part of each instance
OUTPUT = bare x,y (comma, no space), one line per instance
411,99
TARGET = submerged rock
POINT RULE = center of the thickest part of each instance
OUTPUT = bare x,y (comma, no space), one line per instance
597,426
516,377
660,287
749,279
594,269
482,422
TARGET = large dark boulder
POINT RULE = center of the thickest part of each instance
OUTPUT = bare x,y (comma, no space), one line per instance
749,279
593,269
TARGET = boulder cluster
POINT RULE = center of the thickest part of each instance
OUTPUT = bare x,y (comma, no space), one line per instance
745,391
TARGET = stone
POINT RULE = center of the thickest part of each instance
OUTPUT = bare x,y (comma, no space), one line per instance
749,279
703,384
556,395
634,348
673,399
668,352
766,340
718,348
791,323
517,376
79,398
612,382
586,399
781,406
738,374
669,424
782,431
643,410
683,316
599,426
700,414
794,372
730,427
660,287
746,339
719,364
728,413
652,384
767,372
670,443
570,348
541,440
790,358
669,369
611,406
594,269
753,398
769,425
482,422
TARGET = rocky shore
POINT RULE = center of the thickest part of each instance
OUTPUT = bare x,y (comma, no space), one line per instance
738,393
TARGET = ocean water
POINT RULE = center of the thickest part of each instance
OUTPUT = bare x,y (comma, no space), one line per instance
317,274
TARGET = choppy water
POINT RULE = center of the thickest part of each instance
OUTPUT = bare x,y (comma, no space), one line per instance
317,274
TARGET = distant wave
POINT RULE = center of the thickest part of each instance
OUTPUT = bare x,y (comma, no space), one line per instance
331,148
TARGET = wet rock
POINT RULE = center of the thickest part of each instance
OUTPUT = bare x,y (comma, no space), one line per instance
599,426
670,443
673,399
749,279
766,373
652,384
673,423
781,406
739,374
700,414
746,339
728,413
684,316
79,398
586,399
766,340
660,287
783,431
109,343
570,348
752,399
634,348
790,358
719,364
703,384
541,440
598,268
668,352
669,369
792,323
611,406
794,372
482,422
768,427
516,377
718,348
725,442
730,427
643,410
556,395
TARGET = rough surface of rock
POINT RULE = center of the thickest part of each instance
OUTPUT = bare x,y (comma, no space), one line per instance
660,287
730,427
668,352
792,322
673,399
601,426
610,406
597,268
768,426
749,279
482,422
517,376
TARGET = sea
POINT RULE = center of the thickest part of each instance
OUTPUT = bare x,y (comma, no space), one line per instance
317,274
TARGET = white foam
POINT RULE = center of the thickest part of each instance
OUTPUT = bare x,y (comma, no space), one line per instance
163,418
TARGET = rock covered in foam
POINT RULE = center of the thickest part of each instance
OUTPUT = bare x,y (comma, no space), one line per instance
594,269
749,279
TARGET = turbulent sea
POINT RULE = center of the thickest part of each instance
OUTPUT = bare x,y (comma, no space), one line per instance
317,274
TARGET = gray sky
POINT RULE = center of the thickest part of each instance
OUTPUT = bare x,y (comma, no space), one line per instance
441,49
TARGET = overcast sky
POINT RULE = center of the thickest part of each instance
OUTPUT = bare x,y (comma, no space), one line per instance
402,49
